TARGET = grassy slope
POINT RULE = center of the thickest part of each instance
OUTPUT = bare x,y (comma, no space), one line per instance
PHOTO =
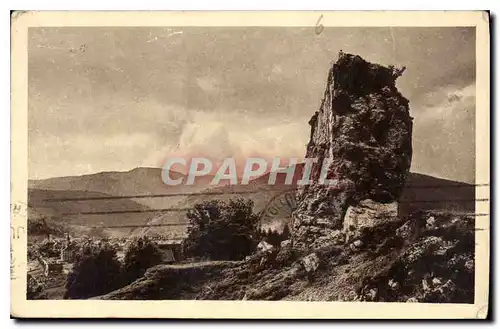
54,212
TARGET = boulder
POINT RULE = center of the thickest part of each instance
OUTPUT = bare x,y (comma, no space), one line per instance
431,222
285,244
369,213
310,262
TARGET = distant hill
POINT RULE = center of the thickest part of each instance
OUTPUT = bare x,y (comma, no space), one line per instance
44,205
260,194
422,192
139,181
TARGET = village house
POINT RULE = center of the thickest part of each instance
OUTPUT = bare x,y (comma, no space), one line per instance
68,251
51,267
68,254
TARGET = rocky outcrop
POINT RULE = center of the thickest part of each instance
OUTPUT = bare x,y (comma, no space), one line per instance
435,266
363,128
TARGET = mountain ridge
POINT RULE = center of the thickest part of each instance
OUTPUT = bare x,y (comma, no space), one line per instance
419,187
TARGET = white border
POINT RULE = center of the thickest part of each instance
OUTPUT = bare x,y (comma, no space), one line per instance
182,309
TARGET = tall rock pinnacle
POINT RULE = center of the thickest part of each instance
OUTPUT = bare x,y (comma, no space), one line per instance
364,128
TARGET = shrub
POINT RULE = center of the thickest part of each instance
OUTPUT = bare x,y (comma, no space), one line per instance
97,271
35,289
140,255
222,230
49,248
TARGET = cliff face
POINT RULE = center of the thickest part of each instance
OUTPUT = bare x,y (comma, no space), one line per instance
364,129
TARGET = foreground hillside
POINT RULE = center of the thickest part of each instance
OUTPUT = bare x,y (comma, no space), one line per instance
425,258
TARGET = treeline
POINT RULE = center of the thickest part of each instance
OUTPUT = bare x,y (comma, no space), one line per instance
40,227
97,269
273,237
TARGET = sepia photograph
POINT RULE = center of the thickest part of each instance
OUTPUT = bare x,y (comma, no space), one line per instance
206,158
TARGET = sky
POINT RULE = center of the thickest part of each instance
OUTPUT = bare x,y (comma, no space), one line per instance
113,99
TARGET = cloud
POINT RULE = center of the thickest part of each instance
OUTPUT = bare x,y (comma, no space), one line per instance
444,135
84,154
449,106
454,98
208,84
218,136
238,91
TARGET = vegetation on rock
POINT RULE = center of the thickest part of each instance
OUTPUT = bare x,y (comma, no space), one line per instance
274,237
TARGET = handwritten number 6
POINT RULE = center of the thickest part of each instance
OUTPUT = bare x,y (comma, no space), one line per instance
319,27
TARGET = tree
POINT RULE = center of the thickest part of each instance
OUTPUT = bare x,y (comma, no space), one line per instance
222,230
35,289
140,255
273,237
97,271
285,235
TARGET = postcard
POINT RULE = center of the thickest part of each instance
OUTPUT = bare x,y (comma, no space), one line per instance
260,165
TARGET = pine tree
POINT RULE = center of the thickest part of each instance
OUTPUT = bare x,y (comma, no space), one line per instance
285,235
